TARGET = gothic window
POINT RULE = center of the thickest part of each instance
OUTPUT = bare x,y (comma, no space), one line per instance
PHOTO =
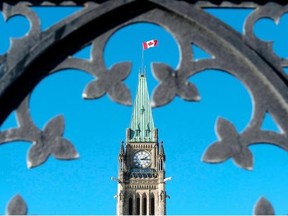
130,206
144,205
137,204
152,205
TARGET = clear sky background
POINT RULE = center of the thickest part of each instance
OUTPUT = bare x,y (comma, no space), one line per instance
96,128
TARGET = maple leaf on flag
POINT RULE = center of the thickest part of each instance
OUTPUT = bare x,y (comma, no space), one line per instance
149,44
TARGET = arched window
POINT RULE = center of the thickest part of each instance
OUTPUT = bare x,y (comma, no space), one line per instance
130,206
144,205
137,204
152,205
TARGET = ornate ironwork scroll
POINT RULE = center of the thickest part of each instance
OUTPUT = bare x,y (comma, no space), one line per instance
32,58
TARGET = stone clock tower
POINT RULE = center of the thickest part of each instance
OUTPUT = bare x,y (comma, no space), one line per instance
141,176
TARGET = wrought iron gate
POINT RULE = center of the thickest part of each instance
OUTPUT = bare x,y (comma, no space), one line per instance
251,60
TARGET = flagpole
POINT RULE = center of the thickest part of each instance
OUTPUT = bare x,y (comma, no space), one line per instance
142,60
146,45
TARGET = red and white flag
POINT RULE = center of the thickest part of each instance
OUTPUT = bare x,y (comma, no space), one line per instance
149,44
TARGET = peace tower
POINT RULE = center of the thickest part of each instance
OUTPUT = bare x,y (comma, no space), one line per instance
141,175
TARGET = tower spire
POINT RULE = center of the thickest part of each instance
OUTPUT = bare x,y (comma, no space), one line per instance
142,125
142,158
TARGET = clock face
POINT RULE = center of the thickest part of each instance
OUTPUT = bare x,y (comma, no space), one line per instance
142,159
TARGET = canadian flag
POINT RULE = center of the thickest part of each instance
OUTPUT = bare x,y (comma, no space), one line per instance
149,44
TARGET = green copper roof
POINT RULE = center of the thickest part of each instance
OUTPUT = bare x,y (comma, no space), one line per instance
142,125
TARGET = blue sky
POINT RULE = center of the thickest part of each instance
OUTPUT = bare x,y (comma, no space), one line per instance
96,128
